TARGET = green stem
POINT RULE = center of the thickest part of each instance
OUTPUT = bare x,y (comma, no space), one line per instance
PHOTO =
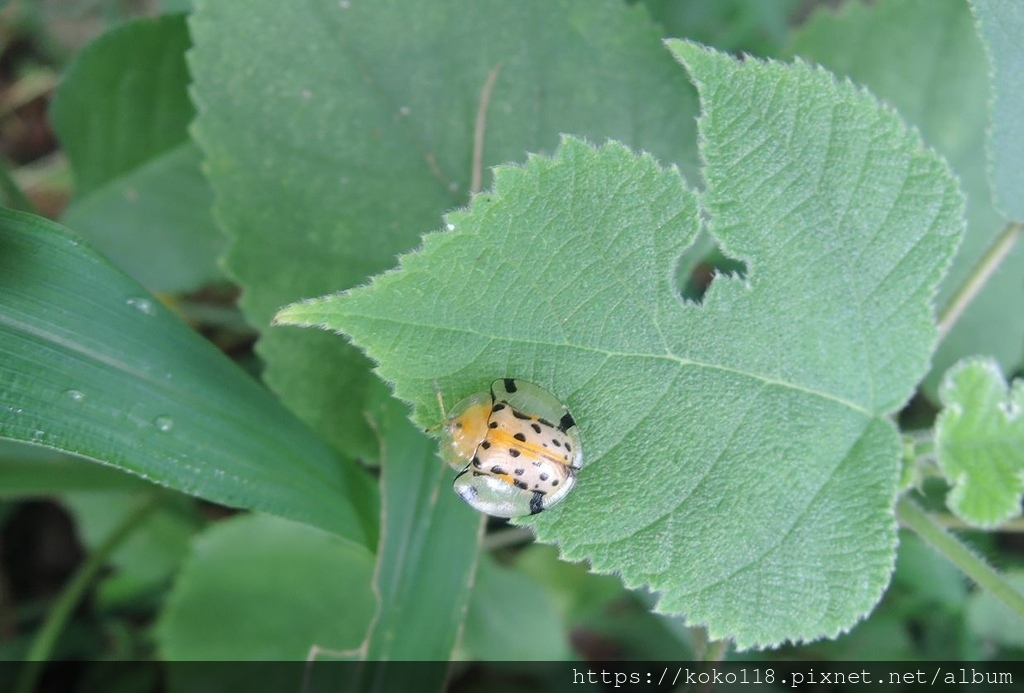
978,276
953,522
46,638
913,517
12,194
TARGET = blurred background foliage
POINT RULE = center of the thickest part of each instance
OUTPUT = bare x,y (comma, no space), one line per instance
51,522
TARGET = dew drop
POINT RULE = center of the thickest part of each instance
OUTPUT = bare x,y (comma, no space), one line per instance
143,305
450,227
163,423
75,395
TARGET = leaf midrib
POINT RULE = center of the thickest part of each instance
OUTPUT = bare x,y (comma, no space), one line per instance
668,356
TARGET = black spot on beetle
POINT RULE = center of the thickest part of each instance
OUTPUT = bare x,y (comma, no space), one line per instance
476,462
537,463
486,445
546,423
521,437
497,470
554,482
521,484
520,472
520,415
493,424
566,422
510,385
535,427
543,477
536,503
513,452
498,407
567,446
556,442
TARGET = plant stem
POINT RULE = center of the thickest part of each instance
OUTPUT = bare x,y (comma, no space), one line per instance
950,521
978,276
913,517
481,126
45,640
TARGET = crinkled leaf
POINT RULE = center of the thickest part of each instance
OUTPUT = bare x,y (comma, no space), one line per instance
123,121
1001,23
979,437
739,455
924,58
359,136
259,587
92,365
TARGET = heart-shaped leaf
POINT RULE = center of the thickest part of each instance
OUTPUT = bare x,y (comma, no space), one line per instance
739,457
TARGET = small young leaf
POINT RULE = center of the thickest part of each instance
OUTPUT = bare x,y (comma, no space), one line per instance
979,437
739,454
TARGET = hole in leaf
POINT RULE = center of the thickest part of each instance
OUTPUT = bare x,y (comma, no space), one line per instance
700,264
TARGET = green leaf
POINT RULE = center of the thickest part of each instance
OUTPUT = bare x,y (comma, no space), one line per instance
150,554
989,617
925,59
261,588
362,137
494,623
979,438
1000,23
427,557
141,198
92,365
753,428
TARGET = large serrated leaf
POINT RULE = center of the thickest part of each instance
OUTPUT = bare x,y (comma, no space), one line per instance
979,438
360,135
740,458
92,365
925,59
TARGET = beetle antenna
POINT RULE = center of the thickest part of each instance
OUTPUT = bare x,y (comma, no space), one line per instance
440,403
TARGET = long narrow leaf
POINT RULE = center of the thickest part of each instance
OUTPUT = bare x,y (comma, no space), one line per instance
92,365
